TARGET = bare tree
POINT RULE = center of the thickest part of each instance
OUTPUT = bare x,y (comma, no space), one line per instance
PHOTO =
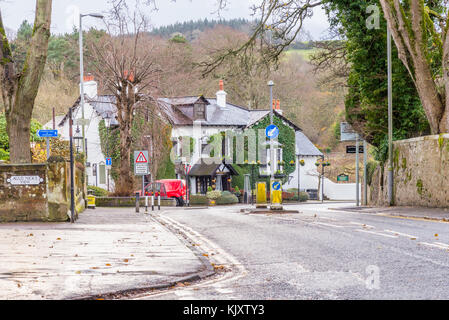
123,61
19,88
278,24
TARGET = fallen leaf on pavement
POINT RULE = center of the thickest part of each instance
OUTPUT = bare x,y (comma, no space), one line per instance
126,260
436,234
108,265
205,255
78,272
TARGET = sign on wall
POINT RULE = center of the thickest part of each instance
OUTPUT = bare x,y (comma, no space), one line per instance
25,180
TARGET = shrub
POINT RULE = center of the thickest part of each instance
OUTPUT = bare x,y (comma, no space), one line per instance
98,192
303,197
227,198
199,200
4,155
213,195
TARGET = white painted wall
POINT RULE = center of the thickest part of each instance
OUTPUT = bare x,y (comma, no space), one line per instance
308,175
341,191
94,153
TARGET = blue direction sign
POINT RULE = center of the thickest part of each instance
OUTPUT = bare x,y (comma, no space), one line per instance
272,132
276,186
47,133
109,161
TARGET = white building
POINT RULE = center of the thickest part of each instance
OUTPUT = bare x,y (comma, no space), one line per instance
96,109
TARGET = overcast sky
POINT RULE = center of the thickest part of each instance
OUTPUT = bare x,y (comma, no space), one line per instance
64,11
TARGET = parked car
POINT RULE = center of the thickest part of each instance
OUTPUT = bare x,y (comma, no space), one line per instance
168,189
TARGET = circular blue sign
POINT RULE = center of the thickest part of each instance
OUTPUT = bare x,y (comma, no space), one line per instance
272,132
276,186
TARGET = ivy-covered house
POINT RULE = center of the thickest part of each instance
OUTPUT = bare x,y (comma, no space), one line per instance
205,120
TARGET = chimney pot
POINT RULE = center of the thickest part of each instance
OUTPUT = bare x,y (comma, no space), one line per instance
221,95
88,78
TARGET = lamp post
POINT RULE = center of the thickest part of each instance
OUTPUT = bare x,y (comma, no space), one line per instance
98,16
390,122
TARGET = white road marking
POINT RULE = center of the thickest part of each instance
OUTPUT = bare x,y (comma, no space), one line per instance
377,233
182,293
221,257
362,225
401,234
436,245
328,225
224,291
443,244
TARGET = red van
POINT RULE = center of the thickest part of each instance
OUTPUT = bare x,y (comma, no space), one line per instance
168,189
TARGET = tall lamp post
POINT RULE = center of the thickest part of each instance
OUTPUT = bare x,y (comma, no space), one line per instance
390,122
83,124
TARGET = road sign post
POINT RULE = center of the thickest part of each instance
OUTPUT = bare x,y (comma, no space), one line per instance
47,134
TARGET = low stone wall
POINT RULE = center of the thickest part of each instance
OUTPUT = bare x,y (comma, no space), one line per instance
421,174
129,202
39,192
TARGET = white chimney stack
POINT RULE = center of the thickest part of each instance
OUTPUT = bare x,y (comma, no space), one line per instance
90,86
221,96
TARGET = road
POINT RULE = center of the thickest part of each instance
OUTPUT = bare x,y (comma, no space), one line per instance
316,254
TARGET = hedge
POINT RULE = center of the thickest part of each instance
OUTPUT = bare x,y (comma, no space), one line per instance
199,200
227,198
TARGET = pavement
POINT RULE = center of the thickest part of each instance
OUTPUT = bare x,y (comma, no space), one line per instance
106,251
437,214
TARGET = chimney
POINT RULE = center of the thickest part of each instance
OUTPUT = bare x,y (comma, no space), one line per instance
90,86
221,96
278,107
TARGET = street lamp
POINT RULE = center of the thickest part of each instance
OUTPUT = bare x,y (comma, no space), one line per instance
390,122
98,16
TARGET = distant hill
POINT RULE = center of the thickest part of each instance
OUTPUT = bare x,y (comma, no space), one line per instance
191,29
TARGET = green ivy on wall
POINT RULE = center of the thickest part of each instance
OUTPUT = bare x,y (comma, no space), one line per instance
287,138
114,146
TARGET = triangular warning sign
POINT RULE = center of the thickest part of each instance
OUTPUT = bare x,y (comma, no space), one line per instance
141,158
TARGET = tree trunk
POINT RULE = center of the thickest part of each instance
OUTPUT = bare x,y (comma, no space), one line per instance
125,183
19,90
408,32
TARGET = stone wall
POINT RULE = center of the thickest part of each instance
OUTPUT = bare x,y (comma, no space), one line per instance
421,174
39,192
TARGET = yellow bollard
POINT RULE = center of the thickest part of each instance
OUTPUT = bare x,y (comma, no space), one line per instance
261,194
276,194
91,201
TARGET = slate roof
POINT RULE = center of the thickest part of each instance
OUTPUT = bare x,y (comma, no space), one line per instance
202,169
304,147
180,112
103,105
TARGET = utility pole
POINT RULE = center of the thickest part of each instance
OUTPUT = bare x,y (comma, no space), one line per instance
390,123
72,170
365,172
357,178
83,125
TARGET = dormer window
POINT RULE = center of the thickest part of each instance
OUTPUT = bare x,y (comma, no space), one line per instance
199,111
